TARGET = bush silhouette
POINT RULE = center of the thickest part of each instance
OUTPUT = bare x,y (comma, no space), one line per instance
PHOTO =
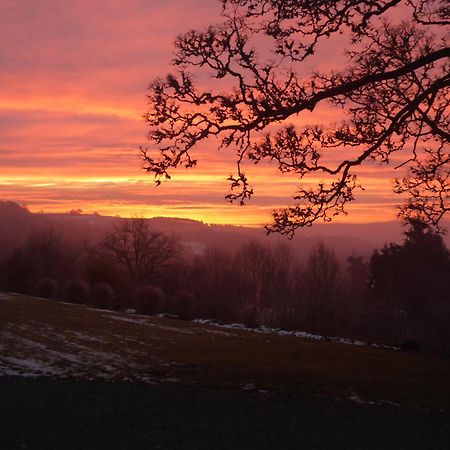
77,291
47,288
148,299
184,305
102,295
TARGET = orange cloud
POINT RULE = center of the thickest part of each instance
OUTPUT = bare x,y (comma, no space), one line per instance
74,77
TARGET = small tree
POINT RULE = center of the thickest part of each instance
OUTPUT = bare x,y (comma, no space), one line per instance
100,268
323,283
213,280
412,280
358,272
357,281
281,280
253,264
184,305
144,253
43,255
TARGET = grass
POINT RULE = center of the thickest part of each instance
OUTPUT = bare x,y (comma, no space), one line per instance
76,341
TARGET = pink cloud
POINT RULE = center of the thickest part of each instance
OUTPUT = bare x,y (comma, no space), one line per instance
74,78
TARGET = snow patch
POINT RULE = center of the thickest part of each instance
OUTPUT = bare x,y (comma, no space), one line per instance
145,321
29,366
126,319
300,334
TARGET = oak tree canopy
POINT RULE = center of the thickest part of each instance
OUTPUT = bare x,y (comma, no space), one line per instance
392,89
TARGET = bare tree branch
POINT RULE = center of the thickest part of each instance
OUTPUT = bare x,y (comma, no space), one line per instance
393,94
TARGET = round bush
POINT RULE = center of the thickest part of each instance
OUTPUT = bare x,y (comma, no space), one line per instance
102,295
184,305
148,299
47,288
77,291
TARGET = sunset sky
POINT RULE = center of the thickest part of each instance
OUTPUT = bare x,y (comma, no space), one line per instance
73,86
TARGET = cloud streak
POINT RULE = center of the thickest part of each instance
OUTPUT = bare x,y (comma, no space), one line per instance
74,77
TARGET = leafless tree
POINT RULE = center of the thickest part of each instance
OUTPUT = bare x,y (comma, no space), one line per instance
392,89
212,277
143,252
323,282
44,255
253,263
282,266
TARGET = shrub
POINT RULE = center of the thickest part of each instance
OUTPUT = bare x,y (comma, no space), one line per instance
184,305
47,288
77,291
102,295
148,299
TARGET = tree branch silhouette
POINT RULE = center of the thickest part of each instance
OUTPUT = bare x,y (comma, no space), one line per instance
393,96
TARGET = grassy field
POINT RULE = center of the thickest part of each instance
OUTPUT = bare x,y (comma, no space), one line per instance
48,338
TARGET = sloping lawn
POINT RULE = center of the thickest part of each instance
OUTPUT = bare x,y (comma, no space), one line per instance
48,338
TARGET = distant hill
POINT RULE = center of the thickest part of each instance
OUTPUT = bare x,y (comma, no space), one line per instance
345,240
16,223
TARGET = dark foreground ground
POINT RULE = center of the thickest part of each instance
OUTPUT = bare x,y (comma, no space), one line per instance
61,414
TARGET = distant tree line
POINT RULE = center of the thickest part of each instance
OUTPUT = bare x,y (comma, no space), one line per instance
400,296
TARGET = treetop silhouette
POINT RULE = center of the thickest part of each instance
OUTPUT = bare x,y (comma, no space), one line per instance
393,92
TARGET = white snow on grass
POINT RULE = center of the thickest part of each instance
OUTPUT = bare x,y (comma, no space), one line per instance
355,398
50,352
145,321
90,363
88,337
174,329
29,366
219,332
32,348
126,319
300,334
23,341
